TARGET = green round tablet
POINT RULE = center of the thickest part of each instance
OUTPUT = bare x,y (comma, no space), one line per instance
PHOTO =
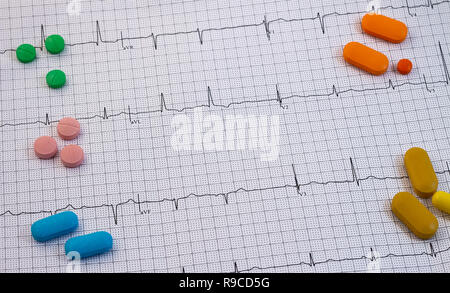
56,79
54,44
26,53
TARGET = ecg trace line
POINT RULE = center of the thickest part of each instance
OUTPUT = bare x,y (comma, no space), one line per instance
372,257
278,99
297,186
200,32
312,262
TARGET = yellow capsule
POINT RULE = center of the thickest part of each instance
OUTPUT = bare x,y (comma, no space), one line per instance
421,172
414,215
441,200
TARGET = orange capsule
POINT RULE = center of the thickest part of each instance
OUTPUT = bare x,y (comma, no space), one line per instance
366,58
384,27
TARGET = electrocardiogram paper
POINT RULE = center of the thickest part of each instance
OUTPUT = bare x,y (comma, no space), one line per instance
135,67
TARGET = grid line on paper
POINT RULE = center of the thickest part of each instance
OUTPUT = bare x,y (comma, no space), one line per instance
342,132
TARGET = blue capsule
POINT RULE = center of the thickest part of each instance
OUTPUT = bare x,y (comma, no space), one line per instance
90,244
54,226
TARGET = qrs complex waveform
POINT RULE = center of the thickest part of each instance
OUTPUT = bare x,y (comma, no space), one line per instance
265,23
277,99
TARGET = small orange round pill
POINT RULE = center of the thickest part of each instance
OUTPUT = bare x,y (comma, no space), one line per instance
68,128
45,147
72,156
404,66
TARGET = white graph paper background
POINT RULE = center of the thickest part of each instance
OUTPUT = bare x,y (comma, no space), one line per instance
133,66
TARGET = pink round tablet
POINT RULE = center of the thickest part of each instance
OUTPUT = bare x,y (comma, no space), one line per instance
72,156
68,128
45,147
